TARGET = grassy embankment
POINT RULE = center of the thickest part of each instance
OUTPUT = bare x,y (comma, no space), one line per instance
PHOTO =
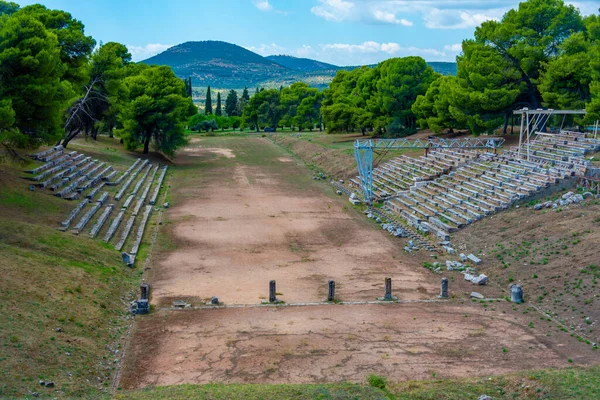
572,383
63,297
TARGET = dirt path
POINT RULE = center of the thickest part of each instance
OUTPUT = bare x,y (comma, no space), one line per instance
338,343
256,216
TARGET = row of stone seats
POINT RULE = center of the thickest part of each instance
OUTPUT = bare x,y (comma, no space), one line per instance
90,213
132,176
472,191
119,218
125,174
399,174
48,155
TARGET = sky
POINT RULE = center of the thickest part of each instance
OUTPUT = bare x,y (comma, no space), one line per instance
341,32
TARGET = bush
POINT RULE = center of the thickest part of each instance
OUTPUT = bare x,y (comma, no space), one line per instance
377,381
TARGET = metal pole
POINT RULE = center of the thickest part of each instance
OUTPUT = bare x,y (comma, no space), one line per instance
521,133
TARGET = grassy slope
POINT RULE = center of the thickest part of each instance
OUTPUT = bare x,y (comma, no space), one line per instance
572,383
51,280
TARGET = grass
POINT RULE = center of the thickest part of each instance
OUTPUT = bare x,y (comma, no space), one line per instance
569,383
63,298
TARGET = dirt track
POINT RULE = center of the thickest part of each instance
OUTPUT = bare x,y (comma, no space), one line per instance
337,343
253,219
244,212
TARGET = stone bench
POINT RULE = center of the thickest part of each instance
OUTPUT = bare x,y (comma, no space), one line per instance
126,173
114,226
86,217
125,233
159,183
130,257
101,220
74,213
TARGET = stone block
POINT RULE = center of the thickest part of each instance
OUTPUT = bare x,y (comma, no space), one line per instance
474,259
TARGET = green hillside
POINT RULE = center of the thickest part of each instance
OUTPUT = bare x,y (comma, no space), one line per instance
302,64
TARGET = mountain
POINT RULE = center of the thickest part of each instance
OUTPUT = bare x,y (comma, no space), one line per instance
218,64
302,64
228,66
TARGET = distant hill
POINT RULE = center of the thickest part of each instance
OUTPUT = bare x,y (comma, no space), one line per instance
218,64
302,64
228,66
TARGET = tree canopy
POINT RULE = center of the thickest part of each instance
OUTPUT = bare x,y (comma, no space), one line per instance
157,109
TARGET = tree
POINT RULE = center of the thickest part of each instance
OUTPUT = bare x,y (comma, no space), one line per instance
486,89
157,110
263,109
245,95
433,108
218,111
33,88
231,103
566,82
208,104
98,106
528,38
8,8
188,86
400,81
75,46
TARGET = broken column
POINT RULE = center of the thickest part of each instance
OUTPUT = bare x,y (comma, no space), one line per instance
331,291
388,291
444,289
516,293
272,292
143,304
144,291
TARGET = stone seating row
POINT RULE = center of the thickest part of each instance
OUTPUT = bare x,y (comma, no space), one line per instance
400,173
132,177
126,173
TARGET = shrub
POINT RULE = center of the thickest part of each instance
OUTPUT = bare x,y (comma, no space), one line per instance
377,381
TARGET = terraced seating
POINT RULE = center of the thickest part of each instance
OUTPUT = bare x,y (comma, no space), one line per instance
451,188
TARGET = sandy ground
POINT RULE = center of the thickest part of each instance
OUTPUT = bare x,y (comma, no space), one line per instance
338,343
245,213
243,226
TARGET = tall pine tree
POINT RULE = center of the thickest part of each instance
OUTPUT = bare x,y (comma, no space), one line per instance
245,95
218,112
208,109
231,103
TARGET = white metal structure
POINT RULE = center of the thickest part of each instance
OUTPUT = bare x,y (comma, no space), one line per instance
533,120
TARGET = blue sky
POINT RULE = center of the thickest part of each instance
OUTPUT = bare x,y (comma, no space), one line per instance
342,32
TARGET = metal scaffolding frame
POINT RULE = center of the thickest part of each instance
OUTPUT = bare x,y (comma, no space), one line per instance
534,120
363,152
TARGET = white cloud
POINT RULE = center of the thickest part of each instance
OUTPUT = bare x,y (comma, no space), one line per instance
436,14
459,19
139,53
455,48
304,51
333,10
586,7
262,5
388,49
390,18
267,49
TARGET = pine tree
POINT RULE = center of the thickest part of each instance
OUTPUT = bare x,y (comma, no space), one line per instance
231,104
208,109
245,95
218,112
